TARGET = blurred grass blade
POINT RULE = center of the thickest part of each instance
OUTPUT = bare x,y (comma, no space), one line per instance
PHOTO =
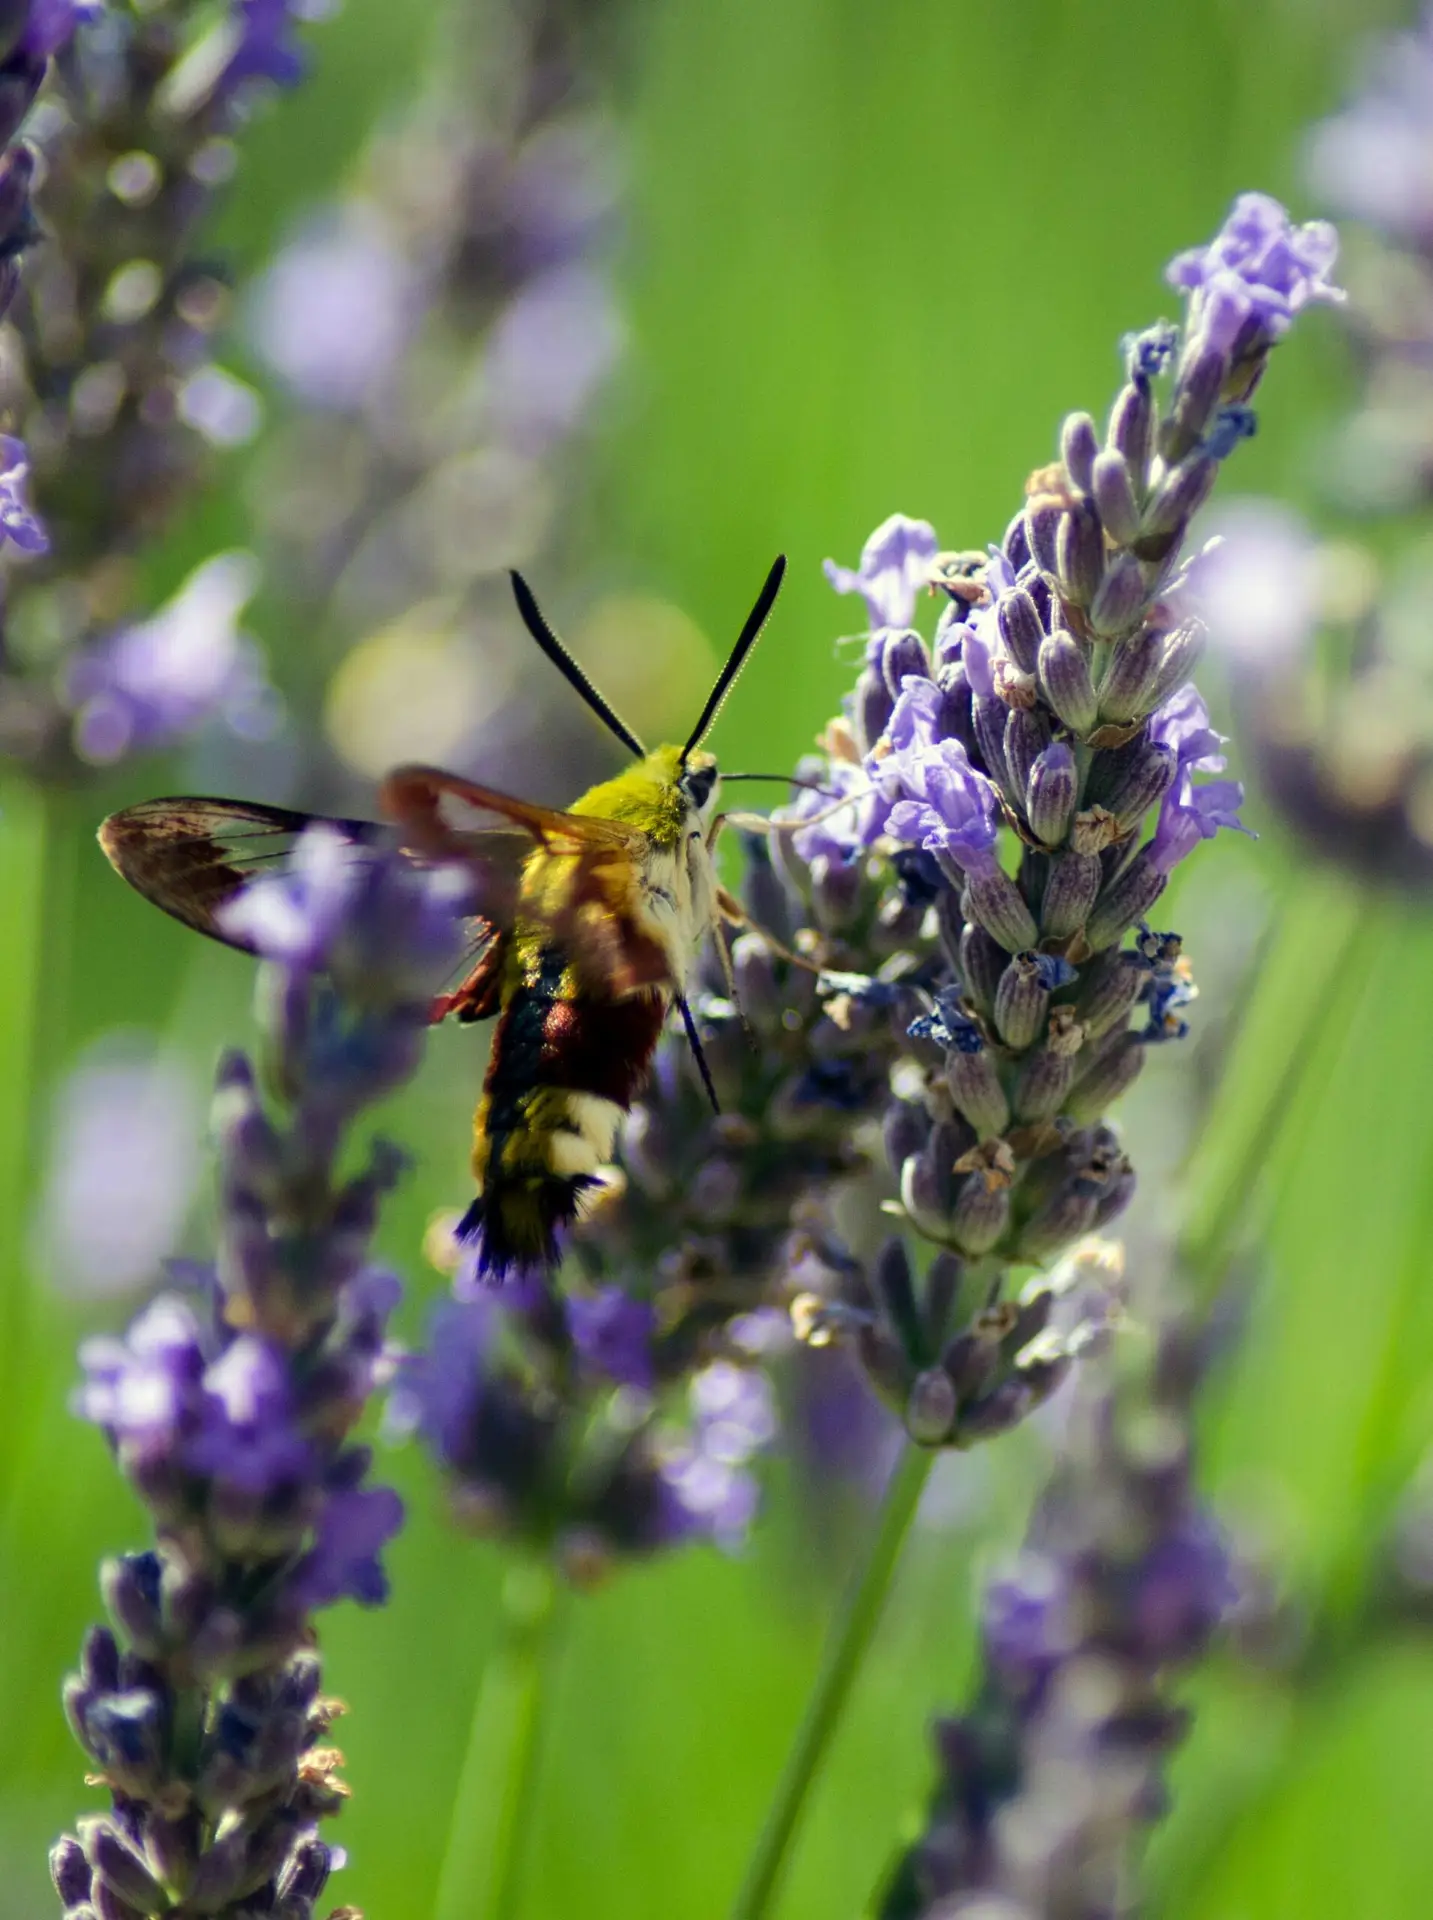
850,1637
493,1806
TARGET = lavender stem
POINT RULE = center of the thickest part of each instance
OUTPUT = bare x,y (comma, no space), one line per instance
845,1649
497,1787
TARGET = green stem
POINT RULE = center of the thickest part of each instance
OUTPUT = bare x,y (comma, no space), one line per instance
845,1648
493,1806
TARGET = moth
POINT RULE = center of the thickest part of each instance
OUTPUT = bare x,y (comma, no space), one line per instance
589,926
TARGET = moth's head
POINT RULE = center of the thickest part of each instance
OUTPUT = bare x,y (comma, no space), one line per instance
698,780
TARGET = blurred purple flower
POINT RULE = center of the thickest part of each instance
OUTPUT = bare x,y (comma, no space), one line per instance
1026,1621
1374,159
265,44
123,1160
336,309
837,833
247,1439
613,1334
548,352
895,565
143,1389
1189,814
355,1523
707,1468
18,523
1260,267
154,684
51,24
1256,586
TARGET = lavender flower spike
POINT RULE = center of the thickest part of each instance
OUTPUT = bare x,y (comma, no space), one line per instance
1259,268
230,1406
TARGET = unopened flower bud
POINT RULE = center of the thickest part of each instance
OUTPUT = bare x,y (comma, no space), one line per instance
1197,392
894,1287
1119,605
930,1407
1127,684
873,709
1065,1215
904,653
975,1087
130,1584
1144,783
992,898
1116,1196
70,1871
1027,734
1127,898
1080,553
1020,1001
1177,661
1114,496
1050,793
1176,500
1065,679
980,1215
904,1130
1020,628
1070,893
119,1864
1044,1080
1113,1072
1079,446
1110,988
988,715
1043,518
982,961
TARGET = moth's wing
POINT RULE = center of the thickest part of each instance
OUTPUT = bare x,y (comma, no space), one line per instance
192,856
586,890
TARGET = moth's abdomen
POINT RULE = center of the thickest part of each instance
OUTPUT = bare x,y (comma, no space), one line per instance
565,1066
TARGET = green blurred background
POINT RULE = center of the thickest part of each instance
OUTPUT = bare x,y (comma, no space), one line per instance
873,255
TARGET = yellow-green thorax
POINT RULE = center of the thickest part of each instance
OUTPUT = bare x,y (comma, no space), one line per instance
648,795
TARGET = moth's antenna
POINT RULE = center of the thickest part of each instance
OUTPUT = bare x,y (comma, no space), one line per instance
694,1041
536,624
786,780
736,659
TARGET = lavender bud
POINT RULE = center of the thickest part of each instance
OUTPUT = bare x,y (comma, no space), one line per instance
70,1871
1127,898
925,1186
1020,1002
1080,552
1131,431
957,719
989,715
1020,628
1128,680
305,1873
119,1865
949,926
982,961
1070,893
1043,518
1050,794
109,1906
873,709
130,1585
1196,394
1068,1213
1145,782
904,653
1113,1073
930,1407
1114,496
753,967
1027,734
992,898
1065,680
1079,445
904,1129
1119,605
894,1287
1044,1080
981,1214
1111,986
942,1288
1177,661
1176,500
835,892
975,1087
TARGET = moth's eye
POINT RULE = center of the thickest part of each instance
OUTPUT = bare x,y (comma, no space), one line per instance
699,783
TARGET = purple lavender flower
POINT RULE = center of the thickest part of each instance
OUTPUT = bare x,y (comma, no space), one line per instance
613,1334
18,523
949,807
732,1420
156,683
895,565
1259,268
1190,814
230,1408
1182,725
